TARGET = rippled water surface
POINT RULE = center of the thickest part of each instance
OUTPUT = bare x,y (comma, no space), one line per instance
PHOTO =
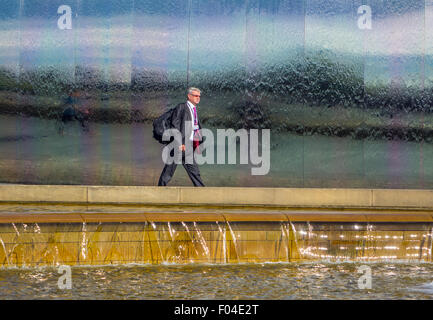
247,281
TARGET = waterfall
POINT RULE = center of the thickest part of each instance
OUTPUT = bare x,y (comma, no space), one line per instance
211,242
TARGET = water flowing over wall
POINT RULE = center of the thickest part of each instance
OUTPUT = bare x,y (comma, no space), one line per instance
41,244
344,85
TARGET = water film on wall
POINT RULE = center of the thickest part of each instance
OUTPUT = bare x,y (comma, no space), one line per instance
345,87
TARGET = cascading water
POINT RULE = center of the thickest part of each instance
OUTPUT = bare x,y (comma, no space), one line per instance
190,237
157,240
6,254
233,240
83,251
222,232
211,242
202,241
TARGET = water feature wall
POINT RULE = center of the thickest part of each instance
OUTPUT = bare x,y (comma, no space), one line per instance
344,85
41,244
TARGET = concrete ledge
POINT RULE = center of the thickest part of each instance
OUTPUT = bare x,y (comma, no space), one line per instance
133,194
220,196
323,197
42,193
402,198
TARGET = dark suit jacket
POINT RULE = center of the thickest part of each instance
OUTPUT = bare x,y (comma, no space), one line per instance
180,116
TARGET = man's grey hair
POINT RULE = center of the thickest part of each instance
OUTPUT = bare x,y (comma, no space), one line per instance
192,89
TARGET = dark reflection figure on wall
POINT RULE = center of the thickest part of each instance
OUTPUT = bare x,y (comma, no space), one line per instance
74,111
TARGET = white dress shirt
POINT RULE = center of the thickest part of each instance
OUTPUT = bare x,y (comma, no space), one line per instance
194,127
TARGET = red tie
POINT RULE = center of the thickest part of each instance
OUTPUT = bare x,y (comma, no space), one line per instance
196,138
195,116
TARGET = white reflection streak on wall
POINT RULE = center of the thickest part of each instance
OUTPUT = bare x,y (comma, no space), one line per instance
345,43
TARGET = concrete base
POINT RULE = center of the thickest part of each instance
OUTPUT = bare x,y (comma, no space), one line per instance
52,225
220,196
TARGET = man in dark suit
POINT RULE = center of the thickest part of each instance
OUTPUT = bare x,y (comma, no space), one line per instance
185,120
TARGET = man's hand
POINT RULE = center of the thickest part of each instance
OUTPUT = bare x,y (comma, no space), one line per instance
182,148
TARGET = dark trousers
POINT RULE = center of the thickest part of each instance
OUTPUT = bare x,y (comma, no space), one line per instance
192,170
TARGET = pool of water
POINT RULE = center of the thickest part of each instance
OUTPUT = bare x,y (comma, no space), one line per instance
318,280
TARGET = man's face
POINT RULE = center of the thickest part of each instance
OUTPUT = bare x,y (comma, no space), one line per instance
194,97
